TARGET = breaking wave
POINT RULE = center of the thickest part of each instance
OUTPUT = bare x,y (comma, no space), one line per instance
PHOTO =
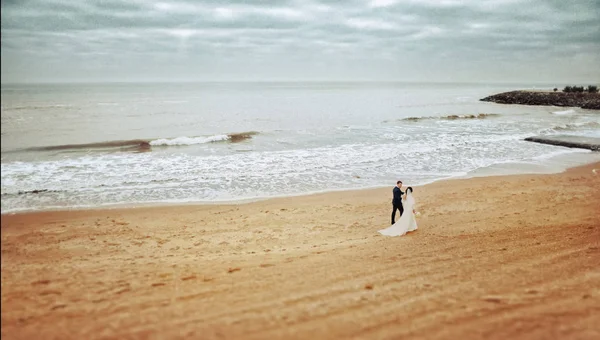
575,126
26,192
565,112
141,145
188,140
134,144
452,117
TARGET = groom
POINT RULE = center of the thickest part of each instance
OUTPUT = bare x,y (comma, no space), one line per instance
397,200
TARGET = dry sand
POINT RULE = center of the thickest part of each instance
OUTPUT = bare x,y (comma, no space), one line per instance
511,257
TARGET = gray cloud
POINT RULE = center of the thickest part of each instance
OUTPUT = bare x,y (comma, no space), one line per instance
445,40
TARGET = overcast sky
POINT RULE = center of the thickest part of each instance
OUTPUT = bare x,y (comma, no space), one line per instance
398,40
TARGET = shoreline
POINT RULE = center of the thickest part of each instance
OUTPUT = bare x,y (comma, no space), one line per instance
493,258
552,165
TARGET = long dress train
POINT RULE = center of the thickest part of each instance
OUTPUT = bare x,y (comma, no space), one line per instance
407,221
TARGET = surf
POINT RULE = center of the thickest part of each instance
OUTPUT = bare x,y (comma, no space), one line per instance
142,145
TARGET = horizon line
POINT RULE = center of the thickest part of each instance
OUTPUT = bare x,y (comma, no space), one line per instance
259,81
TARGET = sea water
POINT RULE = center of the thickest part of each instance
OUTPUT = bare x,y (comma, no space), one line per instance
87,145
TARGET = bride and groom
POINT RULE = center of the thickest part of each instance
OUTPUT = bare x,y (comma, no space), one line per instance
402,201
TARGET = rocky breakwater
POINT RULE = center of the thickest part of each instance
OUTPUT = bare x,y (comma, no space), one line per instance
583,100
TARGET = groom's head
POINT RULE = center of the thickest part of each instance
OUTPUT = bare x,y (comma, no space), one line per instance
399,184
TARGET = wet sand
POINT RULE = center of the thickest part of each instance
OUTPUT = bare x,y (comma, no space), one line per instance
509,257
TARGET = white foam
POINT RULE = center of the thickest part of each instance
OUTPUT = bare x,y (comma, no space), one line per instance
167,177
586,125
559,152
189,140
319,160
565,112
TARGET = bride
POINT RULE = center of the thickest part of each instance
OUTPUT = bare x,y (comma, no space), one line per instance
407,221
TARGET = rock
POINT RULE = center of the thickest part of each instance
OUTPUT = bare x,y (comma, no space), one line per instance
584,100
580,142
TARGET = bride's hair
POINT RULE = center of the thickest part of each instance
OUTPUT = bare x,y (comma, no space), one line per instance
409,188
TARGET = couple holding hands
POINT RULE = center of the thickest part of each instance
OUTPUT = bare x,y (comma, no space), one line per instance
404,202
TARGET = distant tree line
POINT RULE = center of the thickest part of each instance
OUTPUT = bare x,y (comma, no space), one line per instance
569,89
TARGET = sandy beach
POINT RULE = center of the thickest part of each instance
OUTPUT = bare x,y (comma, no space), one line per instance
509,257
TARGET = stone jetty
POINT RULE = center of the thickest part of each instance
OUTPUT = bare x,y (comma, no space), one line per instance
568,141
583,100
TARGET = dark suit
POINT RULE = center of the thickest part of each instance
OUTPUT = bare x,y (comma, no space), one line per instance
397,203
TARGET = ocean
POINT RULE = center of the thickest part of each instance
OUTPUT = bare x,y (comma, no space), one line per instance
68,146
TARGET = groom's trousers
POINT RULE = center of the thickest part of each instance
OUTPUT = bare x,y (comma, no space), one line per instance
396,207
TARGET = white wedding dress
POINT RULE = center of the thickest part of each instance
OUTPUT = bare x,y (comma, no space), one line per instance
407,221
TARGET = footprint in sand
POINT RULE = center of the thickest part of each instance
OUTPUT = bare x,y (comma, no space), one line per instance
265,265
41,282
50,292
494,299
188,278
